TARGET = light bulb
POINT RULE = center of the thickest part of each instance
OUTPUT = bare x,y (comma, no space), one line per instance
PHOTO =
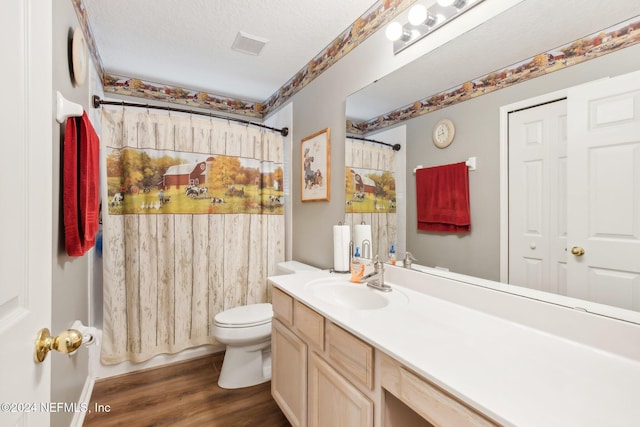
445,3
394,31
417,14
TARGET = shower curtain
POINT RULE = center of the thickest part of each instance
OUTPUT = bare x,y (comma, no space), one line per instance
193,224
371,192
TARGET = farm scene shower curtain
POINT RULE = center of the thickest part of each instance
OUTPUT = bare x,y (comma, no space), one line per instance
193,225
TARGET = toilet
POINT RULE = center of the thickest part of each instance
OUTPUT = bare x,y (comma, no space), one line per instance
246,331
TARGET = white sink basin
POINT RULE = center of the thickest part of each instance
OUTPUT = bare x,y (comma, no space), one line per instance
357,296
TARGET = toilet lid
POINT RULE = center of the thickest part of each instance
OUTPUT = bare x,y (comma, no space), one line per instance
245,315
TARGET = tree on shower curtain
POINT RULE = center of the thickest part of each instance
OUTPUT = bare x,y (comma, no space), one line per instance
193,225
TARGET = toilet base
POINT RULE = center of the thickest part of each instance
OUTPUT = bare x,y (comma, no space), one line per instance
246,366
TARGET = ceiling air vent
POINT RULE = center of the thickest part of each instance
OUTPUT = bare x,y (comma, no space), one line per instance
246,43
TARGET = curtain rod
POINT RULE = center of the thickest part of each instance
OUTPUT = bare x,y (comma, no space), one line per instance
97,102
395,147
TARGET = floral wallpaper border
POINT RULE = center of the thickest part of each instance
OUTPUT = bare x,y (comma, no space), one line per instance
83,19
600,43
592,46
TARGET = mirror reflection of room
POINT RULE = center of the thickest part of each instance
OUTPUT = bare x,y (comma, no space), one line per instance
528,228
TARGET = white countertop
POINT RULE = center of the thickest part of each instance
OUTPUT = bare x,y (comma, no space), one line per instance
514,373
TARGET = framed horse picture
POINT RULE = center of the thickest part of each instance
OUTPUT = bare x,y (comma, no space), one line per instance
315,152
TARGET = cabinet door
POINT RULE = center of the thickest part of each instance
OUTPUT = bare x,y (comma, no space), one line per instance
334,401
289,369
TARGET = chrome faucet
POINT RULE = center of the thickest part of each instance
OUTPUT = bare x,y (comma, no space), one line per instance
376,279
408,259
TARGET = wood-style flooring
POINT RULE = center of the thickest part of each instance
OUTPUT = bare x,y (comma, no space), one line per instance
182,394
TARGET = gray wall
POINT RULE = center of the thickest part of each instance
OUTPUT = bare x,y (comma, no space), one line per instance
70,275
478,134
312,236
322,104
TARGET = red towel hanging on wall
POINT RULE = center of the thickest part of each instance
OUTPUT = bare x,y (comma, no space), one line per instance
442,199
80,183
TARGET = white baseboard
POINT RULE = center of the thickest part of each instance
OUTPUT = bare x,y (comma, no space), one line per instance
85,398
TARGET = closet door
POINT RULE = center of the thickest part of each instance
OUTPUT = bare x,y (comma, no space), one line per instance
537,197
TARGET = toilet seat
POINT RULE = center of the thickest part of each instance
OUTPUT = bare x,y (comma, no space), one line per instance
245,316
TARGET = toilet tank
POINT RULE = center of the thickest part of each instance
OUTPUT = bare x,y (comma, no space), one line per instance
291,267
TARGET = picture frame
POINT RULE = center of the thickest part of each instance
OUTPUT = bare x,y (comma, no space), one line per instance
315,162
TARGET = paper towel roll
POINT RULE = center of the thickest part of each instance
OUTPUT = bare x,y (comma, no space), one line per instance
341,239
362,233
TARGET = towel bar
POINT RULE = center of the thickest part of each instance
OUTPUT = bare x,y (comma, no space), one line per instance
470,162
66,108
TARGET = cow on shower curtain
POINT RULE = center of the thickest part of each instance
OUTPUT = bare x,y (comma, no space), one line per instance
195,224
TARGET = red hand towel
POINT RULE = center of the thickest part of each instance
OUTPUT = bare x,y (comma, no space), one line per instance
80,183
442,198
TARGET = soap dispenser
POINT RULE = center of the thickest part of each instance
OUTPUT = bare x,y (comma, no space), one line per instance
392,255
357,267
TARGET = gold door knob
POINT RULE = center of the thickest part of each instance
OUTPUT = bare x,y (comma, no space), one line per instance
577,250
67,342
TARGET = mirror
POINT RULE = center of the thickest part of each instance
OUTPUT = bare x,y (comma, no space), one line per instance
494,46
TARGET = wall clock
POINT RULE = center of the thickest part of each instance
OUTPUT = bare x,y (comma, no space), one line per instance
78,57
443,133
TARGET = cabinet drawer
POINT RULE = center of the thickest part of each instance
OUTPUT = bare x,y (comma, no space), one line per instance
309,324
353,355
429,401
282,306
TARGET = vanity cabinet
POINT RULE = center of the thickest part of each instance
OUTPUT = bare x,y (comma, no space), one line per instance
321,374
324,376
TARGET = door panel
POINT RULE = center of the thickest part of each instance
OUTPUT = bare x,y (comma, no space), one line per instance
604,191
613,211
25,220
537,207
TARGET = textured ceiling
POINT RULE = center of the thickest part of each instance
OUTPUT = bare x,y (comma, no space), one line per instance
187,43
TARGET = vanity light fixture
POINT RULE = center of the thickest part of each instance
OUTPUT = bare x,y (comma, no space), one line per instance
423,20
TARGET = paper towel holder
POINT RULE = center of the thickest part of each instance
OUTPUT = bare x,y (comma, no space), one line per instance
366,248
351,248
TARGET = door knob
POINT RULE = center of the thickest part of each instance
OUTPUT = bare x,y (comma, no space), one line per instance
577,250
67,342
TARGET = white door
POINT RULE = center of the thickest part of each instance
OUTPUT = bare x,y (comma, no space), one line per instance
25,214
537,195
604,191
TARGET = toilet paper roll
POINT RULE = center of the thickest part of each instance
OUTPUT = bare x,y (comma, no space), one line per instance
341,239
362,233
